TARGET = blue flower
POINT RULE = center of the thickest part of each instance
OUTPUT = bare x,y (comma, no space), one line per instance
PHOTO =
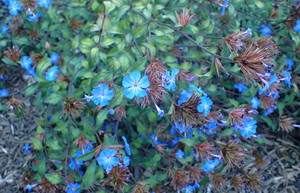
174,141
205,105
88,98
14,7
72,187
126,161
2,77
111,111
29,187
127,147
6,2
35,17
241,87
182,127
209,127
184,96
269,111
31,71
74,164
297,26
88,149
255,102
107,159
159,111
265,30
54,57
199,91
190,188
44,3
180,154
51,74
26,148
249,128
102,94
210,165
224,7
26,62
289,63
170,81
4,93
272,80
287,78
135,85
4,29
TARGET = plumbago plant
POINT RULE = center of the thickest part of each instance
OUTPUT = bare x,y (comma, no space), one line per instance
144,96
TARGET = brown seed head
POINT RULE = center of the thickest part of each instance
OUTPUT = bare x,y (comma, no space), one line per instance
17,25
187,113
29,4
45,186
186,76
237,182
156,69
184,17
117,178
82,143
139,188
260,161
75,24
257,58
235,41
27,178
286,123
196,174
179,179
13,54
205,150
120,113
268,102
34,35
253,181
73,107
233,154
156,92
217,181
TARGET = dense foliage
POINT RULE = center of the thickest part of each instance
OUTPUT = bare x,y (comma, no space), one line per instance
151,95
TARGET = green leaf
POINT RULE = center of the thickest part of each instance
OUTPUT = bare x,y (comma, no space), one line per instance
122,10
188,141
9,62
37,144
109,6
87,156
54,178
102,115
43,65
151,48
227,132
117,100
138,65
30,90
139,31
75,42
141,128
42,167
87,42
89,176
53,98
107,42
